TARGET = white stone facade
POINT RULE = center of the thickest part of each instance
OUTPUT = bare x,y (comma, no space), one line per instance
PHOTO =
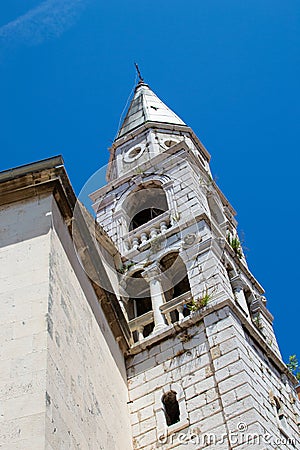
63,379
226,382
86,380
24,254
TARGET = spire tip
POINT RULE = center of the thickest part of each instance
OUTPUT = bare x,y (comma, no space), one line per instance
141,79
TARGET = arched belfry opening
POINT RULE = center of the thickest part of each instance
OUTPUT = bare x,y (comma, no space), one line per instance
139,300
171,407
144,204
215,210
175,271
144,216
176,283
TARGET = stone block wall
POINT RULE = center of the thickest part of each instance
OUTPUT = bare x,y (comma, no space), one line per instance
24,287
225,387
62,378
86,381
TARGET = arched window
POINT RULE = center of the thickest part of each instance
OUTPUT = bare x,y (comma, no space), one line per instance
171,407
177,281
143,205
249,296
144,216
215,210
139,301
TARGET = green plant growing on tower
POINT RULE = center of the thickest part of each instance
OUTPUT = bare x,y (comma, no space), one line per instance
139,171
176,217
235,244
293,366
199,303
125,267
121,269
257,322
207,181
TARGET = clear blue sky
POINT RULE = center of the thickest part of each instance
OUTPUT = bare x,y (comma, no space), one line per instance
230,69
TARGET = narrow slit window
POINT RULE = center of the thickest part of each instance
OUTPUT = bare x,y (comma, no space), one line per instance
280,414
171,407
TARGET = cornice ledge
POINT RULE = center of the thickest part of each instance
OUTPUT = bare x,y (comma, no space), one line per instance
258,306
145,126
127,177
178,327
243,268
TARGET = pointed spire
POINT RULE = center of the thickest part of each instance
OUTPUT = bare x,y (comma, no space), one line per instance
146,107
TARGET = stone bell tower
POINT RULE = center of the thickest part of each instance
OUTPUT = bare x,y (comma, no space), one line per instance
204,367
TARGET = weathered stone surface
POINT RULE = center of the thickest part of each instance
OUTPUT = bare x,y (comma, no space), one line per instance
220,386
62,380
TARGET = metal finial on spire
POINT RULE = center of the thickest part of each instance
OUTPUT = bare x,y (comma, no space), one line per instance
141,79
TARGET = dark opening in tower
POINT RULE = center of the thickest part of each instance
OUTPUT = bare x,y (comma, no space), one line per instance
148,202
139,302
176,281
171,407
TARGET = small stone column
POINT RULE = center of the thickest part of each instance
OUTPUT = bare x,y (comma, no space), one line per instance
140,331
152,275
237,286
180,312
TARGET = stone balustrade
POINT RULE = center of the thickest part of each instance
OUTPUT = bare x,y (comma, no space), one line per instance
139,323
148,231
176,304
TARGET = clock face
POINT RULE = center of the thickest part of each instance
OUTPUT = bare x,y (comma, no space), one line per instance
133,153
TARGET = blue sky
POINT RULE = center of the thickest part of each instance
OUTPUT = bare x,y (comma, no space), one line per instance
229,69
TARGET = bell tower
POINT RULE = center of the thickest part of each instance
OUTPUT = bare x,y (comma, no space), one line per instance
204,361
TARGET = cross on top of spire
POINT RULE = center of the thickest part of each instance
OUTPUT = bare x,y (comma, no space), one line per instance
141,79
